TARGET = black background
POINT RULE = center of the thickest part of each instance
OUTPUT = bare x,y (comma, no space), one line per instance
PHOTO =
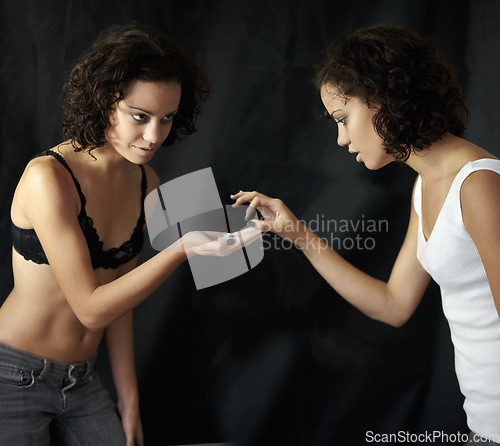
273,356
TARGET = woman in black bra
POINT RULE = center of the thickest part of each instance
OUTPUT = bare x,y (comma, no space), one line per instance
77,228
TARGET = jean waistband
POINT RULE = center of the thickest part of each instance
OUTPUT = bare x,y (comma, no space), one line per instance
29,361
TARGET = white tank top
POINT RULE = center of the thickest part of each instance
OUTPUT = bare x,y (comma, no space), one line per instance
451,258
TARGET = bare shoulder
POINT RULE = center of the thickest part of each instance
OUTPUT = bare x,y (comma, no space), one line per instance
480,199
152,178
481,185
46,173
44,180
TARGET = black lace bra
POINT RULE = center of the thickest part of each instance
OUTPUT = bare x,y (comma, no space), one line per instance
26,241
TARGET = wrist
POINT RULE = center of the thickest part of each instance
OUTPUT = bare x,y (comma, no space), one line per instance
176,251
305,239
293,231
128,403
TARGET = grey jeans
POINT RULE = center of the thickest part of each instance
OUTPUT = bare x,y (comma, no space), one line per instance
476,440
44,402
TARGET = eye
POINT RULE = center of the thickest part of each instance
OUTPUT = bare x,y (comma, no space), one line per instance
342,120
139,117
169,117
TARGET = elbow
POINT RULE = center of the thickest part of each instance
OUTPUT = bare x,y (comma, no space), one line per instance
95,328
93,323
398,323
93,317
398,320
396,312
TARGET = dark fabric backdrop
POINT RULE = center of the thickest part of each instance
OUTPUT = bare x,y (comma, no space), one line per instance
273,356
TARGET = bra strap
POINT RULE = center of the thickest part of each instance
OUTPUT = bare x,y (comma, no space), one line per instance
144,184
59,158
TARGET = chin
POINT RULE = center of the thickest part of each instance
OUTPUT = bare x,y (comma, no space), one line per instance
380,163
375,166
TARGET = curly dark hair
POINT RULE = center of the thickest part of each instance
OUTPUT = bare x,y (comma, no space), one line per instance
393,67
102,74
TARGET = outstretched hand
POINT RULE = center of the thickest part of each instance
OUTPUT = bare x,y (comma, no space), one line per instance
212,243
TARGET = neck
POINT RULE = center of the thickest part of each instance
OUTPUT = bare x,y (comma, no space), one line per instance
108,159
443,157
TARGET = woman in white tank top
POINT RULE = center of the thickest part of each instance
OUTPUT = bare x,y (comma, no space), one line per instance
395,98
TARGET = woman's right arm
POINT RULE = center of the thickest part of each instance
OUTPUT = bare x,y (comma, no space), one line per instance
50,203
392,302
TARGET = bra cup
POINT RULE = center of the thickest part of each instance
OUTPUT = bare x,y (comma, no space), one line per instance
26,242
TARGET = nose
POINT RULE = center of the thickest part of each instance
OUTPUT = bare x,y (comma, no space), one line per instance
156,133
342,139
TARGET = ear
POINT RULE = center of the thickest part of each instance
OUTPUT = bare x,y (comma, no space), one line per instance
112,116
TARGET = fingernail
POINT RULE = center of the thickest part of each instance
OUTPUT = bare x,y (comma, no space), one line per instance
221,237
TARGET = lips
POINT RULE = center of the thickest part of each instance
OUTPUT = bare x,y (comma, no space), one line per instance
144,150
358,154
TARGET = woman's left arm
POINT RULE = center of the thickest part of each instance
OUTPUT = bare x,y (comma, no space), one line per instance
120,346
480,197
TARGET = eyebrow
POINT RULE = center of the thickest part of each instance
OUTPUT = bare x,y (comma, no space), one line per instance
327,115
335,111
150,113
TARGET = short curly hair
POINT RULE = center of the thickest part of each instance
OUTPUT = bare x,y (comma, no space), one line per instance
401,72
102,74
